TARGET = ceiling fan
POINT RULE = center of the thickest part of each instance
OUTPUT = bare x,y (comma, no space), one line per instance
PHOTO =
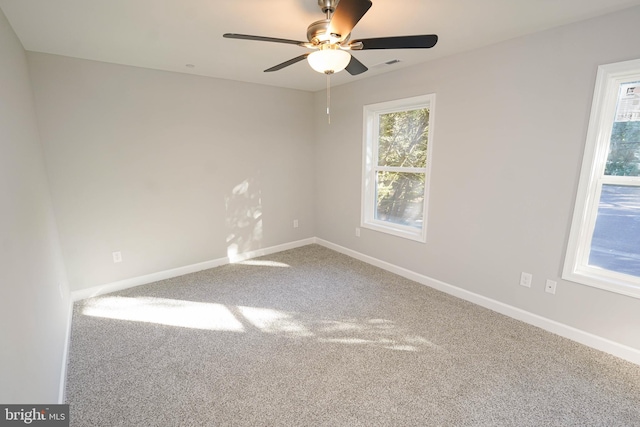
330,39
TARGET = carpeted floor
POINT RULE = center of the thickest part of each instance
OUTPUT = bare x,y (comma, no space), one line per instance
310,337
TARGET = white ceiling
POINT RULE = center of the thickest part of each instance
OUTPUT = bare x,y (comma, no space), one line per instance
169,34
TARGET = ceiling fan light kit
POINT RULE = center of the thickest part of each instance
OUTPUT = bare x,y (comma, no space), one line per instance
329,38
329,59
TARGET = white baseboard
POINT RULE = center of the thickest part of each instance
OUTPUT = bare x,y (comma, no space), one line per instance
180,271
120,285
65,356
619,350
271,250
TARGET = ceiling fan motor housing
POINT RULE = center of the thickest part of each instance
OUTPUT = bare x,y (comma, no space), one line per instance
318,33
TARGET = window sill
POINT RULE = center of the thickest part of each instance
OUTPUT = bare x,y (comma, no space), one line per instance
606,280
397,230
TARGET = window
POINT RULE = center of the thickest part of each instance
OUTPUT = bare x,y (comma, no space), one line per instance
397,156
604,244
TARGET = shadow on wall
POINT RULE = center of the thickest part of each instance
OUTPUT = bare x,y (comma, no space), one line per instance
244,218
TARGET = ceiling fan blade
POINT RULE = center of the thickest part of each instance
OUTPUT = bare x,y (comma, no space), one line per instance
287,63
262,39
347,15
403,42
355,67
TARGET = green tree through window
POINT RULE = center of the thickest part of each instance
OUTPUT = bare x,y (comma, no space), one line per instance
624,151
398,141
403,138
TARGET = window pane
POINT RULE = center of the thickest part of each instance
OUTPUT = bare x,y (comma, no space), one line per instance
400,198
624,150
403,138
616,239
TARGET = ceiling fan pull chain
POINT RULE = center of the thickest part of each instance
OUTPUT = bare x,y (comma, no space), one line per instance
329,97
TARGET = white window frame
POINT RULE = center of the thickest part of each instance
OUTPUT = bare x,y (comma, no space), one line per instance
371,116
592,178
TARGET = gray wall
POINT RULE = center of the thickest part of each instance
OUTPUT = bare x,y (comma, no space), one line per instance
174,170
509,134
34,298
170,169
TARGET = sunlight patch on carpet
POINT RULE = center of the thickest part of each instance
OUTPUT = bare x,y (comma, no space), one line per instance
263,263
163,311
274,321
242,319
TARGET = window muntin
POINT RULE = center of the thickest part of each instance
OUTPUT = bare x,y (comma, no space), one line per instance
604,244
397,147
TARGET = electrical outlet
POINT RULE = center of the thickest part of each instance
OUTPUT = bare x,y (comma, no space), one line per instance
295,223
526,279
550,286
357,232
117,257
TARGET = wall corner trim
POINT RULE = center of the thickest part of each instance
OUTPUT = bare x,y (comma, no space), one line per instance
65,355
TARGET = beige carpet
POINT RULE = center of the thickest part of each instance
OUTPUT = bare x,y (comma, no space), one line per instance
310,337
